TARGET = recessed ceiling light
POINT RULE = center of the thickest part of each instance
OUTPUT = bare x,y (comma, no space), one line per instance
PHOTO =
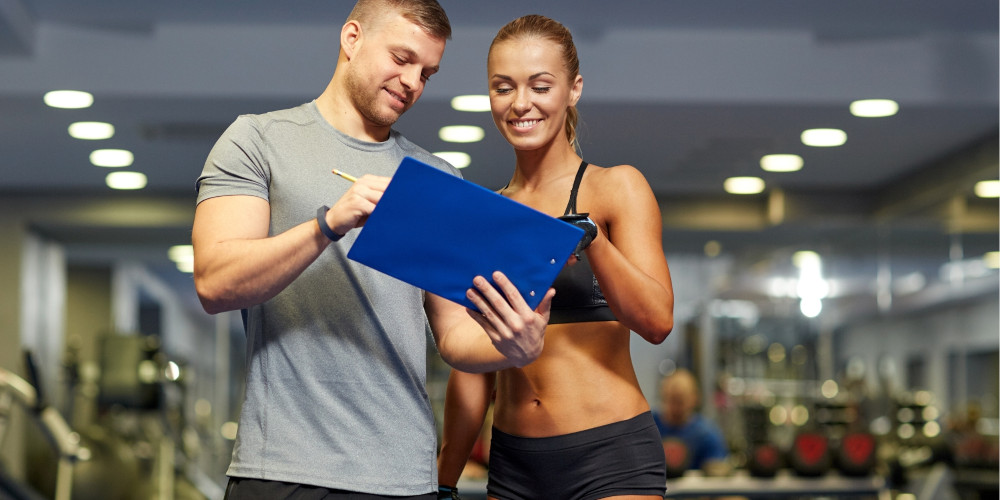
992,259
458,159
781,163
744,185
824,137
806,258
126,180
68,99
874,108
988,189
712,248
181,252
473,103
461,133
183,257
92,131
111,158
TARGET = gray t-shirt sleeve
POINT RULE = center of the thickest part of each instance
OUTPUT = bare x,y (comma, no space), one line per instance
236,164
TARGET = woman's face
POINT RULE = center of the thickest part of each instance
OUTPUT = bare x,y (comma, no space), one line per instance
530,90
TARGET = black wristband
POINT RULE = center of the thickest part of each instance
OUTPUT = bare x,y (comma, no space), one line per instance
323,227
448,493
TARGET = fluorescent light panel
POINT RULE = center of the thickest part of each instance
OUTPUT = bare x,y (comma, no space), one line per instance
111,158
874,108
781,163
68,99
126,180
988,189
461,133
824,137
744,185
472,103
91,131
457,158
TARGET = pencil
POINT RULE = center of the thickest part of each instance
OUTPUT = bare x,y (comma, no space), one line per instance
345,175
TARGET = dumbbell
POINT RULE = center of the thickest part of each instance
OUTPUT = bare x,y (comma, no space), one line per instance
810,454
856,454
677,455
764,460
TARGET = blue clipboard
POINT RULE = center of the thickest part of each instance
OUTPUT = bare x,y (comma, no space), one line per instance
437,232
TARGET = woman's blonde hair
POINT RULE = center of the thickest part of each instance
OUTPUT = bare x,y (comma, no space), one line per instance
535,25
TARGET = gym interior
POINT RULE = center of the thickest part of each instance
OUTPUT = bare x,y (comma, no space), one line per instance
843,321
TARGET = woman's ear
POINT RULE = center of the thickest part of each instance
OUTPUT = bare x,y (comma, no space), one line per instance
576,90
350,38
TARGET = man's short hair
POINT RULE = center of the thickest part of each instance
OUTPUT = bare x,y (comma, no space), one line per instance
427,14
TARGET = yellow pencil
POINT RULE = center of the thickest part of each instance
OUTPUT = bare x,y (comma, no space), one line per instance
345,175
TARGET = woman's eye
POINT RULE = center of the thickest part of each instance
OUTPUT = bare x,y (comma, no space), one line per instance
502,91
541,90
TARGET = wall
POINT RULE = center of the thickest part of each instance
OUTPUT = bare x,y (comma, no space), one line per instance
967,327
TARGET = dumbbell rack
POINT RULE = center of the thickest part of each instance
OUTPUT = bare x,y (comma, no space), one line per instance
783,484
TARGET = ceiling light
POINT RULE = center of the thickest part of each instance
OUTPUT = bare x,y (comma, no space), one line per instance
824,137
461,133
126,180
992,260
744,185
178,253
712,248
781,163
91,131
874,108
810,307
806,258
183,257
111,157
457,158
69,99
988,189
473,103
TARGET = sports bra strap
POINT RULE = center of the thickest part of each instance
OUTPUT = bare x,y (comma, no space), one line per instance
571,206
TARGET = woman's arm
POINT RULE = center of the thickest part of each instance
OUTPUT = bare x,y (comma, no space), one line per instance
628,258
466,401
505,333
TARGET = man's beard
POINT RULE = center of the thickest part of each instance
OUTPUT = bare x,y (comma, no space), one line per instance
366,99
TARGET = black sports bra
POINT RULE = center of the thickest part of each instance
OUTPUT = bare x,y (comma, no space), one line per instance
578,295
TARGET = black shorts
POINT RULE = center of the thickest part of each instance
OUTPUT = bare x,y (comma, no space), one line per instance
242,488
623,458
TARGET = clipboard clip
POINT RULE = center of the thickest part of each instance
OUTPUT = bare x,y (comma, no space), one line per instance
582,221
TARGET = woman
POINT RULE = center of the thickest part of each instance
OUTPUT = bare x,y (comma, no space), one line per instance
573,424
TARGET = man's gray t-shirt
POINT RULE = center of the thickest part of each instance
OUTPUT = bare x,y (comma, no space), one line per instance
336,362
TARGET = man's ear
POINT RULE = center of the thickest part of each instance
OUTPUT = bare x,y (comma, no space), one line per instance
350,38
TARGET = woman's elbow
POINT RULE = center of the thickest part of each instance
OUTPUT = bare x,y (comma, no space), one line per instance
657,330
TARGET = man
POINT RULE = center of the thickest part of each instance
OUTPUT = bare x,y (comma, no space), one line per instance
678,419
335,402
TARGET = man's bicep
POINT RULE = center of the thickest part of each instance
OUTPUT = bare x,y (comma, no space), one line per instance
226,218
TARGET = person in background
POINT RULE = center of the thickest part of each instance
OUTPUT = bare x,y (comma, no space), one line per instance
336,404
678,418
573,424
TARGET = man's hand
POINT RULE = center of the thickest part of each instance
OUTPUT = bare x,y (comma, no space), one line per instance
517,331
354,207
